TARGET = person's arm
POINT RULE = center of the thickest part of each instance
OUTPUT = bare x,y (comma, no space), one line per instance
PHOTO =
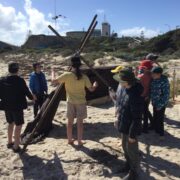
89,85
61,79
45,83
32,84
93,87
27,91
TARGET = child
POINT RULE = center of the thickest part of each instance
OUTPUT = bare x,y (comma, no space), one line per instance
75,83
159,97
13,92
38,86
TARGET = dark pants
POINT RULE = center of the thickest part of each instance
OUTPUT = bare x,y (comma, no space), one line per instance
38,103
159,120
131,153
147,116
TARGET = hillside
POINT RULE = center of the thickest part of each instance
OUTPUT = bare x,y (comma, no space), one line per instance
6,47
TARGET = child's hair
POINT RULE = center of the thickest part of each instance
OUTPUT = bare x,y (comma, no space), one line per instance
35,65
13,67
76,64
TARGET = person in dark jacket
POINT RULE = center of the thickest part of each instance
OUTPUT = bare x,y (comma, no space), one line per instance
38,86
159,96
129,122
13,92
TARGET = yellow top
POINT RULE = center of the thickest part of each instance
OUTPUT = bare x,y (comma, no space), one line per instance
75,89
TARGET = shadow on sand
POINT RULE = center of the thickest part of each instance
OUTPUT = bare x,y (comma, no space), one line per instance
37,168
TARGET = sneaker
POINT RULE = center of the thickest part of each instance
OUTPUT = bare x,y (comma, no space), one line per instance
10,145
17,150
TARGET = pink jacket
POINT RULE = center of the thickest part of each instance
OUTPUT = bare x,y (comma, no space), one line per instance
145,79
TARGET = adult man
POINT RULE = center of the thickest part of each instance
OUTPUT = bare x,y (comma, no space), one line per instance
13,92
129,121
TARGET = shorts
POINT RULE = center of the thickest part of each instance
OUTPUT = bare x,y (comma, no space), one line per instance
78,111
16,117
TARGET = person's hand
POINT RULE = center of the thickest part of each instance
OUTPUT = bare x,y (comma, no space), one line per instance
131,140
95,84
116,124
116,112
34,98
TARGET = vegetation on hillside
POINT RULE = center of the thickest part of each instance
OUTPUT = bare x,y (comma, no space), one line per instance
127,48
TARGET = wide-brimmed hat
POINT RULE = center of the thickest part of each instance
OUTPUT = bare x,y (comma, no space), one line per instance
125,75
117,69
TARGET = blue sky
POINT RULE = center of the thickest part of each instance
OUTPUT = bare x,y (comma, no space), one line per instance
127,17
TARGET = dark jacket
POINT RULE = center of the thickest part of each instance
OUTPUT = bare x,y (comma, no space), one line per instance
130,115
38,83
13,92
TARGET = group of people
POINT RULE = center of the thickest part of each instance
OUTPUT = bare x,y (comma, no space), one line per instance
132,99
135,91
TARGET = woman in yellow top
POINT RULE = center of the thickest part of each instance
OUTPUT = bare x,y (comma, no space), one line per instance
75,84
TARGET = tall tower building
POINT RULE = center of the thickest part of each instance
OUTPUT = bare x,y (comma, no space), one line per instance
106,29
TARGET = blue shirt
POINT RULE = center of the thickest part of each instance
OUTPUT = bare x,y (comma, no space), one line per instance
38,83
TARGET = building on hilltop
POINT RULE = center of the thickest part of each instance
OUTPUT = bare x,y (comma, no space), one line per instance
106,29
81,34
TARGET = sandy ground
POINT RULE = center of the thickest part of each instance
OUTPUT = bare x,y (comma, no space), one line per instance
101,155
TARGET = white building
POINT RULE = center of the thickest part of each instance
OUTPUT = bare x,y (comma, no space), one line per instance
106,29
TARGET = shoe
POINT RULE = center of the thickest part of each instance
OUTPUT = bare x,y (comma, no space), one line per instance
124,169
71,142
10,145
17,150
131,176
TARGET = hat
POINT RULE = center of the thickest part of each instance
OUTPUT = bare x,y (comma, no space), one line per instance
117,69
125,75
146,64
152,56
157,69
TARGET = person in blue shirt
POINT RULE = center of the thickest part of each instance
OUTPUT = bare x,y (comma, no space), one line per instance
38,86
159,93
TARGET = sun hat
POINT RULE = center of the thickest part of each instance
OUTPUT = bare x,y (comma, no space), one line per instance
117,69
125,75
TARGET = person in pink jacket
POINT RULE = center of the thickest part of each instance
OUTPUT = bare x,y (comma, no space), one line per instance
144,75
